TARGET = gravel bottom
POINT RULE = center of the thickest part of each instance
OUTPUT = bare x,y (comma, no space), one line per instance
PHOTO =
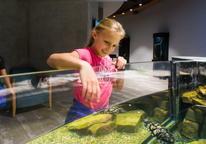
63,135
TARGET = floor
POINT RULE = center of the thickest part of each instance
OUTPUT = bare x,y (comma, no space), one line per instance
31,122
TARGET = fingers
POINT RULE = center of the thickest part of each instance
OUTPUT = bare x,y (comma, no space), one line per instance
84,89
90,84
96,93
89,93
91,90
121,62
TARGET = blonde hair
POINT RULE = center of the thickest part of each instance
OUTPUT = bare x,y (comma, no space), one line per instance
107,24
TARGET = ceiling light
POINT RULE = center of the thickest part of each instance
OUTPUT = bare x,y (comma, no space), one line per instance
140,3
130,9
113,15
123,13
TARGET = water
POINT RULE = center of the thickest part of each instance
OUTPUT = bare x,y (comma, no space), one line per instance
129,127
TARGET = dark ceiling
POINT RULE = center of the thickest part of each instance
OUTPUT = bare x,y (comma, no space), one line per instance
133,7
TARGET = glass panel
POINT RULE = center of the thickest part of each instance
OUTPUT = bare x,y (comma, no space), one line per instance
151,101
39,105
190,102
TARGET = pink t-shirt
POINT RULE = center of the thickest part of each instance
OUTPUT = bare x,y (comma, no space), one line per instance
103,74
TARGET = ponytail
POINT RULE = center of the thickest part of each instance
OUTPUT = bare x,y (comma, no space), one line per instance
107,24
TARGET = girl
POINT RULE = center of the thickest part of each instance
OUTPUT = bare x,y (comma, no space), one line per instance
93,95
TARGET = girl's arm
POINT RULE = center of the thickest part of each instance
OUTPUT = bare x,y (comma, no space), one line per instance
65,61
88,77
118,83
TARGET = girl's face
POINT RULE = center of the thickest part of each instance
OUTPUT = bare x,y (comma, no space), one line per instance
105,42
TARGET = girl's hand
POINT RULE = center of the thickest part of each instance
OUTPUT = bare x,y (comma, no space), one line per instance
120,62
90,84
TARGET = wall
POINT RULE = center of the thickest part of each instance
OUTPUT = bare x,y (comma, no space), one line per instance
109,7
56,27
92,15
14,33
184,20
30,31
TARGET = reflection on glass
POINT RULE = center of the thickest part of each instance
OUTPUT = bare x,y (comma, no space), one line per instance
160,102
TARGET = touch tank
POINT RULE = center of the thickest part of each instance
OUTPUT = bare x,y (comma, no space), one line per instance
161,102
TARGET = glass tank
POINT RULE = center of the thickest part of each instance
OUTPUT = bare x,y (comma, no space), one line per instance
159,102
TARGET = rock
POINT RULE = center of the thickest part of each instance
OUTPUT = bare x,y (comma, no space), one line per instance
158,99
201,96
163,95
129,121
204,121
160,114
201,91
164,105
88,121
144,100
102,128
200,88
194,116
198,110
200,103
190,129
147,104
167,95
200,141
203,131
188,96
128,106
147,108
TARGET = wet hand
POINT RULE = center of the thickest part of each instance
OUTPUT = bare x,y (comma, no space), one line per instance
120,62
90,84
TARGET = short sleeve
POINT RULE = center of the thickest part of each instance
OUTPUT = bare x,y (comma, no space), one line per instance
2,63
84,54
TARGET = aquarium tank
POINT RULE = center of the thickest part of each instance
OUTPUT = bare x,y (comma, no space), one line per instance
160,102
